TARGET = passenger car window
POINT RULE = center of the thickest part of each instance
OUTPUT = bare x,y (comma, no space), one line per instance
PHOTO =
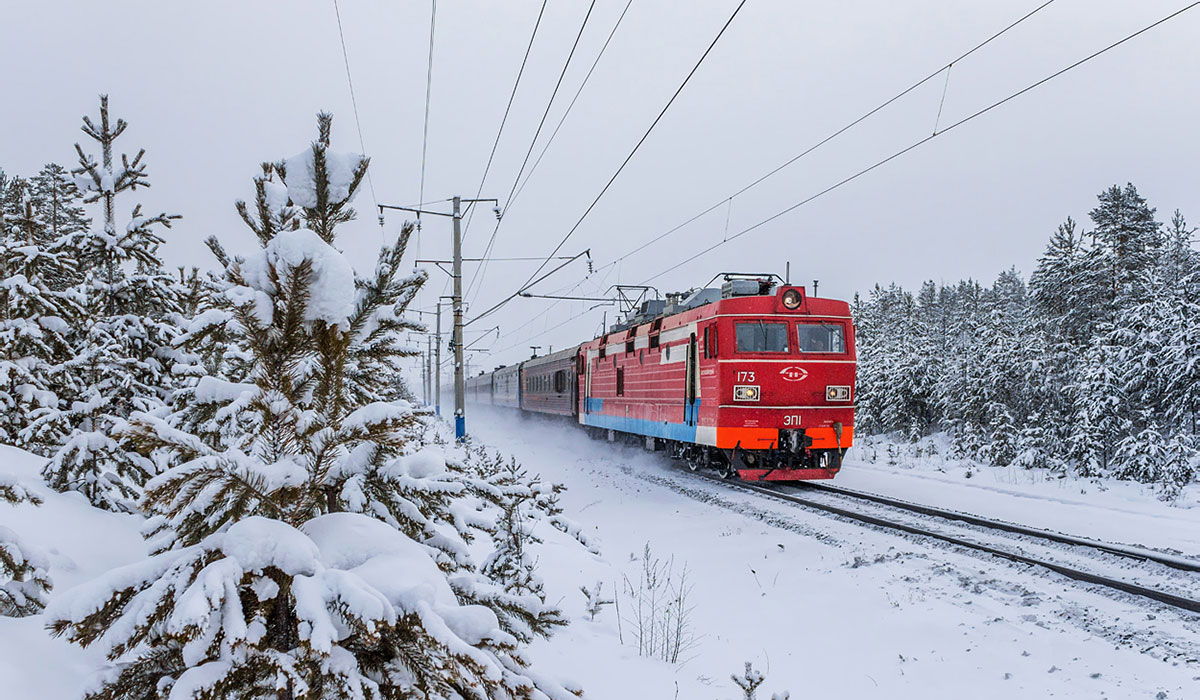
761,336
821,337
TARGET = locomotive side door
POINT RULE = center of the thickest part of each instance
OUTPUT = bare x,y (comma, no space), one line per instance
587,384
690,381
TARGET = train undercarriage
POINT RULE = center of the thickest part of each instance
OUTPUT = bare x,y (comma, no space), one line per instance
793,462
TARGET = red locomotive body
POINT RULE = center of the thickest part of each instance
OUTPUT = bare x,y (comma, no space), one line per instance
746,384
758,384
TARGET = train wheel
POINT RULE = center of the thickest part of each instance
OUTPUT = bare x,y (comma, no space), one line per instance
725,468
829,459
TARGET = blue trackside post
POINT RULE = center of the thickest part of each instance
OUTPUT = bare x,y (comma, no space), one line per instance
460,428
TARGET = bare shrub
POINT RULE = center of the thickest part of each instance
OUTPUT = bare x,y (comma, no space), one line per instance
659,614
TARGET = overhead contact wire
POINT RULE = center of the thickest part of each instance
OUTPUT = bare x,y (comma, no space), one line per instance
572,105
425,131
353,99
625,162
927,139
482,269
839,132
507,109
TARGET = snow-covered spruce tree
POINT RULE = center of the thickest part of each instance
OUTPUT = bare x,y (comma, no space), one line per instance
24,570
512,504
1127,241
35,317
123,351
750,681
60,208
309,546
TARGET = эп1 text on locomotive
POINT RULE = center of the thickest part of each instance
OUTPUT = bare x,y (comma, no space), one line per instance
753,379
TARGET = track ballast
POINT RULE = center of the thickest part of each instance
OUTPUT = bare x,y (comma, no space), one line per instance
790,495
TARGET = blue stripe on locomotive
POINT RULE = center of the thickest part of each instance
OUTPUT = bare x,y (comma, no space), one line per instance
637,426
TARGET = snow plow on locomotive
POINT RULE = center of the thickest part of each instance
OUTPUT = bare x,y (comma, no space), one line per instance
753,379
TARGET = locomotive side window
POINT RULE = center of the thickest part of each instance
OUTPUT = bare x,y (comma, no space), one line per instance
710,340
761,336
821,337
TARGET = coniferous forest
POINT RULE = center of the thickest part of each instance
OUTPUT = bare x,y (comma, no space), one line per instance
1089,368
311,533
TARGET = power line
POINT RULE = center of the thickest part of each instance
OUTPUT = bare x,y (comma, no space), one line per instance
507,107
642,140
428,91
879,163
729,199
353,99
482,269
539,334
570,106
503,120
925,140
625,162
883,105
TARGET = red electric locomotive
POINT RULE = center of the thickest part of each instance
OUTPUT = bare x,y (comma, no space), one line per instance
753,379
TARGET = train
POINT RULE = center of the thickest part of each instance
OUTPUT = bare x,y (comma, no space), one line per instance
753,379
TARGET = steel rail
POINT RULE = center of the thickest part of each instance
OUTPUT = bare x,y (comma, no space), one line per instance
1176,562
1066,571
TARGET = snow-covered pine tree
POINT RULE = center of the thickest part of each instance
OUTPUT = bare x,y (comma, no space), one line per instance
1098,421
24,569
309,545
1179,467
749,682
594,600
60,209
35,318
1180,361
1127,241
513,503
1032,449
123,350
1064,291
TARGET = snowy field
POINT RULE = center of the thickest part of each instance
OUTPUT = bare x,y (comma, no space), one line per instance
823,608
831,609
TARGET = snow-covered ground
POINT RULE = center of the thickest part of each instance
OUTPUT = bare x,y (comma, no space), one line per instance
83,542
832,609
824,608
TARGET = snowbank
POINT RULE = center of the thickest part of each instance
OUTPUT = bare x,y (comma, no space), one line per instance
81,542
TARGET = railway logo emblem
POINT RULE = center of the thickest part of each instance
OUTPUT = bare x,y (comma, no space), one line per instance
793,374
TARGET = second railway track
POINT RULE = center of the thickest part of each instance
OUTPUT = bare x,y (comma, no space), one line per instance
1088,561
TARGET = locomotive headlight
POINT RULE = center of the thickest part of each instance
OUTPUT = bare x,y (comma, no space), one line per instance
745,393
837,393
792,299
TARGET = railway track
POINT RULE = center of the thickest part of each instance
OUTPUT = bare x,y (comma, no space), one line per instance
1073,557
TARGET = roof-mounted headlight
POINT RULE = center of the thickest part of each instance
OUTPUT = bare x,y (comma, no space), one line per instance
792,299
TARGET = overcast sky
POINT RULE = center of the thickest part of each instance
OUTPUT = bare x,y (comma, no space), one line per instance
213,88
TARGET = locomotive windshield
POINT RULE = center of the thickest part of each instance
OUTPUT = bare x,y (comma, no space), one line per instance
760,336
821,337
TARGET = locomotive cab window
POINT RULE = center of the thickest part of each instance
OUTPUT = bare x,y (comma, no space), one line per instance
821,337
761,336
